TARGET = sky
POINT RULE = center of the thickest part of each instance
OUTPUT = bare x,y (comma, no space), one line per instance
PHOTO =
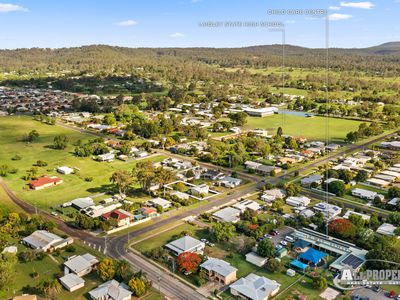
178,23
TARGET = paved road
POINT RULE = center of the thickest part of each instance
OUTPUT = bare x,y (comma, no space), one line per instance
169,285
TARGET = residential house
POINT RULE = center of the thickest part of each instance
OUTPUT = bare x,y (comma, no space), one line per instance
329,211
247,204
272,195
80,265
46,241
227,214
394,145
352,212
365,194
44,182
298,201
159,202
256,259
186,244
313,179
386,229
230,182
65,170
219,270
254,287
201,189
81,203
111,290
72,282
108,157
148,212
213,175
180,195
121,216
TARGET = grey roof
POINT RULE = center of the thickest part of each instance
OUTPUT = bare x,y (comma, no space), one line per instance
41,238
311,179
82,202
71,280
218,266
255,287
112,290
80,263
227,214
185,243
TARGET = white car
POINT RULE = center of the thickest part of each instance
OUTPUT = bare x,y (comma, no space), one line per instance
289,239
283,243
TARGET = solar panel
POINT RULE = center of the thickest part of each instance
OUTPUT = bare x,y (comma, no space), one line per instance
353,261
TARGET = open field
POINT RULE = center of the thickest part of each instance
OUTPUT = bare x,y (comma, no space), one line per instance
6,203
11,131
311,128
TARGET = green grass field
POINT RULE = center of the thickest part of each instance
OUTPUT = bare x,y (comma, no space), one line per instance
11,131
311,128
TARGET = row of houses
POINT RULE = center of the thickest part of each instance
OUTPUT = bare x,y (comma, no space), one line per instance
253,287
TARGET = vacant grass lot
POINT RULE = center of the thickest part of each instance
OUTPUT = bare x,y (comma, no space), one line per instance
311,128
11,131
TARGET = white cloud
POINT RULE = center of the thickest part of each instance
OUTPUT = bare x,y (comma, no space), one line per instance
334,7
362,5
176,35
127,23
8,7
338,17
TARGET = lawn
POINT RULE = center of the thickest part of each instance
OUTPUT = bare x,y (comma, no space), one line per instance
312,128
6,204
50,268
74,186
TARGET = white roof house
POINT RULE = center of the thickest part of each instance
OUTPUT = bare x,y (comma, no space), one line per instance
255,287
65,170
111,290
72,282
273,194
298,201
256,259
229,181
328,210
365,194
159,201
261,112
44,240
386,229
227,214
352,212
186,244
180,195
106,157
200,189
247,204
80,265
81,203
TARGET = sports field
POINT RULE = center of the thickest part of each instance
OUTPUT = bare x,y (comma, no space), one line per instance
315,128
74,185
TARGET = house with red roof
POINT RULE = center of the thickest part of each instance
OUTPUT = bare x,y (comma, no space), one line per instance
148,212
44,182
121,216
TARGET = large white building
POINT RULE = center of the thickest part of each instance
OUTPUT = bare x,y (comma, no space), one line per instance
254,287
298,201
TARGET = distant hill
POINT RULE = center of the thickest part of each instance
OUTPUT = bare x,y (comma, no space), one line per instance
381,58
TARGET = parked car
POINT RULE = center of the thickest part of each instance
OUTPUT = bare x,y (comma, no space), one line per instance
283,243
289,239
278,247
376,289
